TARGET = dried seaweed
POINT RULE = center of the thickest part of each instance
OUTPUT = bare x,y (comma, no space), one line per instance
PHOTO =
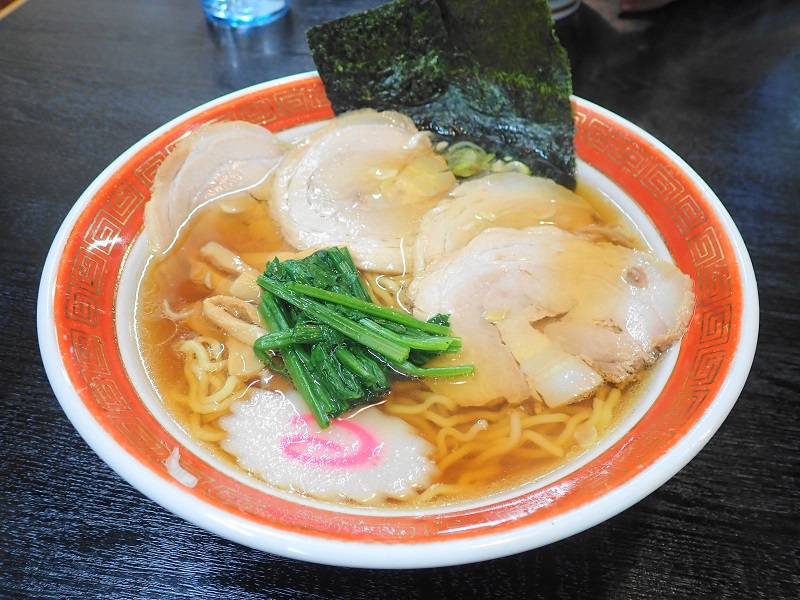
487,71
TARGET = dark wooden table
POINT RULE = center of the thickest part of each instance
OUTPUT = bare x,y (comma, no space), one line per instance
717,80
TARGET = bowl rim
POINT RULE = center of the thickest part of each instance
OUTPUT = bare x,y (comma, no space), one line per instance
481,543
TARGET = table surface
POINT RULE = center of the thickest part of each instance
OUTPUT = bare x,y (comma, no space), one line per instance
82,80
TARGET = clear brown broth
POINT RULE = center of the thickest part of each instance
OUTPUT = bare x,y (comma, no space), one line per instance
252,233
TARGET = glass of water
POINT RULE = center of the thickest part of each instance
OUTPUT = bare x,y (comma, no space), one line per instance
244,13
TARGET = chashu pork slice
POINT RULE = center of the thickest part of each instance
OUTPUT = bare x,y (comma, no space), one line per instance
528,302
364,181
213,161
498,200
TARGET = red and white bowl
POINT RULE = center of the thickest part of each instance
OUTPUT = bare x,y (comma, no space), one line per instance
85,309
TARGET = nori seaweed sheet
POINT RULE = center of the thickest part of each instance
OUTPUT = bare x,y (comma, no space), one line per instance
488,71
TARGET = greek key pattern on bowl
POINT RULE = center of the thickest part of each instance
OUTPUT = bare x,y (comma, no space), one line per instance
95,253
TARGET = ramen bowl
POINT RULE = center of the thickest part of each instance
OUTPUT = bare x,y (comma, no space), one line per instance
85,318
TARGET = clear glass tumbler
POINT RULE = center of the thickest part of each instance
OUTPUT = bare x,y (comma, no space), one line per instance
244,13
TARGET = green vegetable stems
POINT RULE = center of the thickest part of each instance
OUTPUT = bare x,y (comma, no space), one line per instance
339,348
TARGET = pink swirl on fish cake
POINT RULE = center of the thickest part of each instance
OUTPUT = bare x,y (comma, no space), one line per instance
318,451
